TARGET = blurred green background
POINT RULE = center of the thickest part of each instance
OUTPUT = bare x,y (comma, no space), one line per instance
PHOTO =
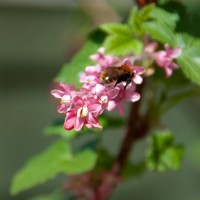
36,38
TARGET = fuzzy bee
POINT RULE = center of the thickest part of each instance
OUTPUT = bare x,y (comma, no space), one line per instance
120,74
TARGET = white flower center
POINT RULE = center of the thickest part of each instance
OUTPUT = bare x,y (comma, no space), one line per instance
66,99
104,99
83,111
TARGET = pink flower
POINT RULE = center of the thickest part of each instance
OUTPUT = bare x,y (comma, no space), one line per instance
150,47
80,116
66,97
165,59
84,106
129,94
104,60
103,98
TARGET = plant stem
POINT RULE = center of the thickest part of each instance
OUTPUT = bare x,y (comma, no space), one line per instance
137,128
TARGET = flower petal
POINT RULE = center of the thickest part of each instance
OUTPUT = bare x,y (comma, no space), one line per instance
111,105
113,93
133,97
137,79
69,121
91,119
57,93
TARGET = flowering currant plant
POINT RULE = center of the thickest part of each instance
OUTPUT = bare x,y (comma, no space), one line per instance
125,77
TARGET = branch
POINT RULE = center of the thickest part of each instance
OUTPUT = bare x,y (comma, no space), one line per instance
137,128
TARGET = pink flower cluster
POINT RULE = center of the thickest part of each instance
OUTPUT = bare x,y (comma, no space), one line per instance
163,58
84,106
90,186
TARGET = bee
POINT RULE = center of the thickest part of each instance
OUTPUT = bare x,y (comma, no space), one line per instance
120,74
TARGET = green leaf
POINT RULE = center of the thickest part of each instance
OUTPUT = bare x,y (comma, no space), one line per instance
120,40
117,29
163,155
189,60
160,25
42,167
119,45
154,21
137,18
160,32
70,71
164,17
56,159
82,162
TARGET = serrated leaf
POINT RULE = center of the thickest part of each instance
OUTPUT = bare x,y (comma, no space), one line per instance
190,67
164,17
137,18
119,45
160,32
163,155
146,12
82,162
189,60
70,71
42,167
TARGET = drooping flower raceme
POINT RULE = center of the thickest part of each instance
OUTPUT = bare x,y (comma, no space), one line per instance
83,107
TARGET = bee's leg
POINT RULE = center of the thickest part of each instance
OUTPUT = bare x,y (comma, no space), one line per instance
128,81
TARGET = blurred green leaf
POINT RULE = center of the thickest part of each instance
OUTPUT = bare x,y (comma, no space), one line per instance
42,167
130,170
105,159
70,71
82,162
163,155
59,130
56,159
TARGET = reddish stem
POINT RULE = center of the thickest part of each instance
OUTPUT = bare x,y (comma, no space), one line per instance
142,3
137,128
